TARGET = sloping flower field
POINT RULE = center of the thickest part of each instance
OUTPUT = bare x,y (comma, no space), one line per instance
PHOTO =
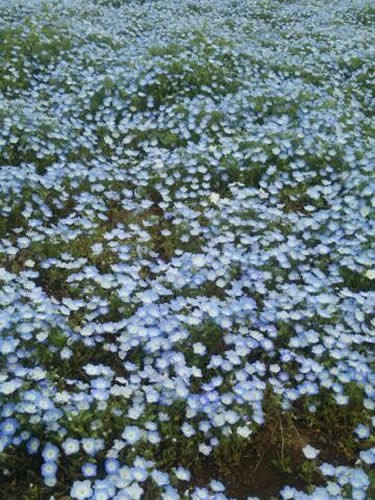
187,266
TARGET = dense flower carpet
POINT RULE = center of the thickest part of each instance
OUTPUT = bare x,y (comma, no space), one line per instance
187,266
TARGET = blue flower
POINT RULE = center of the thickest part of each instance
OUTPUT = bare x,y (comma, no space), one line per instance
81,490
368,456
182,474
217,486
170,493
8,427
89,469
362,431
359,479
111,465
131,434
187,430
70,446
33,445
50,453
49,469
288,492
140,474
327,469
104,490
89,446
160,478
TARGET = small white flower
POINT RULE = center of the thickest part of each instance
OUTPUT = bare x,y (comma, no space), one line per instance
199,348
243,431
310,452
205,449
97,248
214,198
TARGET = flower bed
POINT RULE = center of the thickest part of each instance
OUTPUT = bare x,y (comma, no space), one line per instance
186,260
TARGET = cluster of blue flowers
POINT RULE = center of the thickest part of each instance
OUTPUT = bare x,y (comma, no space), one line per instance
186,211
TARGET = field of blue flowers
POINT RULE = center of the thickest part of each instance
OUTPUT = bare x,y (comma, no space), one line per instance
187,265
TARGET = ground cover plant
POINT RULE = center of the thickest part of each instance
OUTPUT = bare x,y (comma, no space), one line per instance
187,278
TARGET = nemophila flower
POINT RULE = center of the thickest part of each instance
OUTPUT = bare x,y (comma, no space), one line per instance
148,297
70,446
369,404
327,469
8,427
99,444
199,348
358,494
170,493
16,440
198,260
333,488
81,489
87,330
160,478
217,486
132,434
182,474
103,493
134,491
153,437
310,452
8,344
359,479
288,492
124,477
319,493
187,430
243,431
111,465
8,410
33,445
92,446
104,489
362,431
140,474
214,198
89,469
342,399
200,494
66,353
204,449
368,456
231,417
10,387
24,435
50,453
49,469
97,248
